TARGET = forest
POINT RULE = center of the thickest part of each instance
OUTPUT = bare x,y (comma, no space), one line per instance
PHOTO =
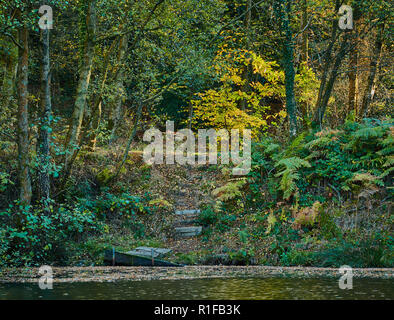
83,80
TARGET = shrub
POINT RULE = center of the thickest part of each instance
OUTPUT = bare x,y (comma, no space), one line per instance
30,236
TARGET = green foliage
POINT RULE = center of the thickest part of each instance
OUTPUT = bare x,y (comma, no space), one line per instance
208,216
29,236
328,229
243,256
358,254
4,181
355,157
214,219
198,54
353,162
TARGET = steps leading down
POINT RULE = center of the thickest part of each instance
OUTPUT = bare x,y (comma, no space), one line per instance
185,225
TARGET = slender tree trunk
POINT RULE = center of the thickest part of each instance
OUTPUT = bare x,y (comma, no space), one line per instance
353,62
327,62
304,57
120,97
352,95
117,115
25,193
305,43
288,61
246,71
83,85
132,134
46,119
190,120
96,120
321,110
370,90
97,105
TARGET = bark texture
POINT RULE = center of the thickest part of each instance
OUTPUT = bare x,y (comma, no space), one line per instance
23,120
46,119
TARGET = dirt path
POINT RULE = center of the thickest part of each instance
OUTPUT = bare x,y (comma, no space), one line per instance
187,187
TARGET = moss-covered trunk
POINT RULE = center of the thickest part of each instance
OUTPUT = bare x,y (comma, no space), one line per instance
46,120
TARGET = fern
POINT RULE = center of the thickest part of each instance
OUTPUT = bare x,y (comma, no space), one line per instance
271,148
229,191
388,164
364,182
290,174
296,145
369,133
320,142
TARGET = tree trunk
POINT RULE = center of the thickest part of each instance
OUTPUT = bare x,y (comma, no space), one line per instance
246,71
97,105
321,110
304,52
288,60
25,193
120,96
304,57
132,134
352,99
370,90
327,62
353,62
83,85
95,125
190,118
46,119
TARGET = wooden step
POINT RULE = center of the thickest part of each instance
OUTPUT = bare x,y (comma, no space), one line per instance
186,232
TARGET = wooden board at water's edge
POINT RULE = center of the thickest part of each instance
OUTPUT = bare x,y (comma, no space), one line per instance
149,251
125,259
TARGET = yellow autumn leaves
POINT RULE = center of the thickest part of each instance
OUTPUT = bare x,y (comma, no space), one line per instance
236,102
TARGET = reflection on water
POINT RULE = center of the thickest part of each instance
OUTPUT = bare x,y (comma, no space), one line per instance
242,289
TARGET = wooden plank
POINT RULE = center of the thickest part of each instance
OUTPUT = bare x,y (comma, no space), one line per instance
147,251
124,259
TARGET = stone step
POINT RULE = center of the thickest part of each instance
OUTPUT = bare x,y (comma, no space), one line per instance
185,232
185,222
187,212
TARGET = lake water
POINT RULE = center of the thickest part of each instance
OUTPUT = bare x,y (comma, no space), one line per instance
242,289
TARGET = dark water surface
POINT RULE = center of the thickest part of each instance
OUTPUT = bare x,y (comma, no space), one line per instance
233,288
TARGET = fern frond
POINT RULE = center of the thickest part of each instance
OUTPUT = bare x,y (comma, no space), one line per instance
290,174
319,142
293,163
273,147
369,132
